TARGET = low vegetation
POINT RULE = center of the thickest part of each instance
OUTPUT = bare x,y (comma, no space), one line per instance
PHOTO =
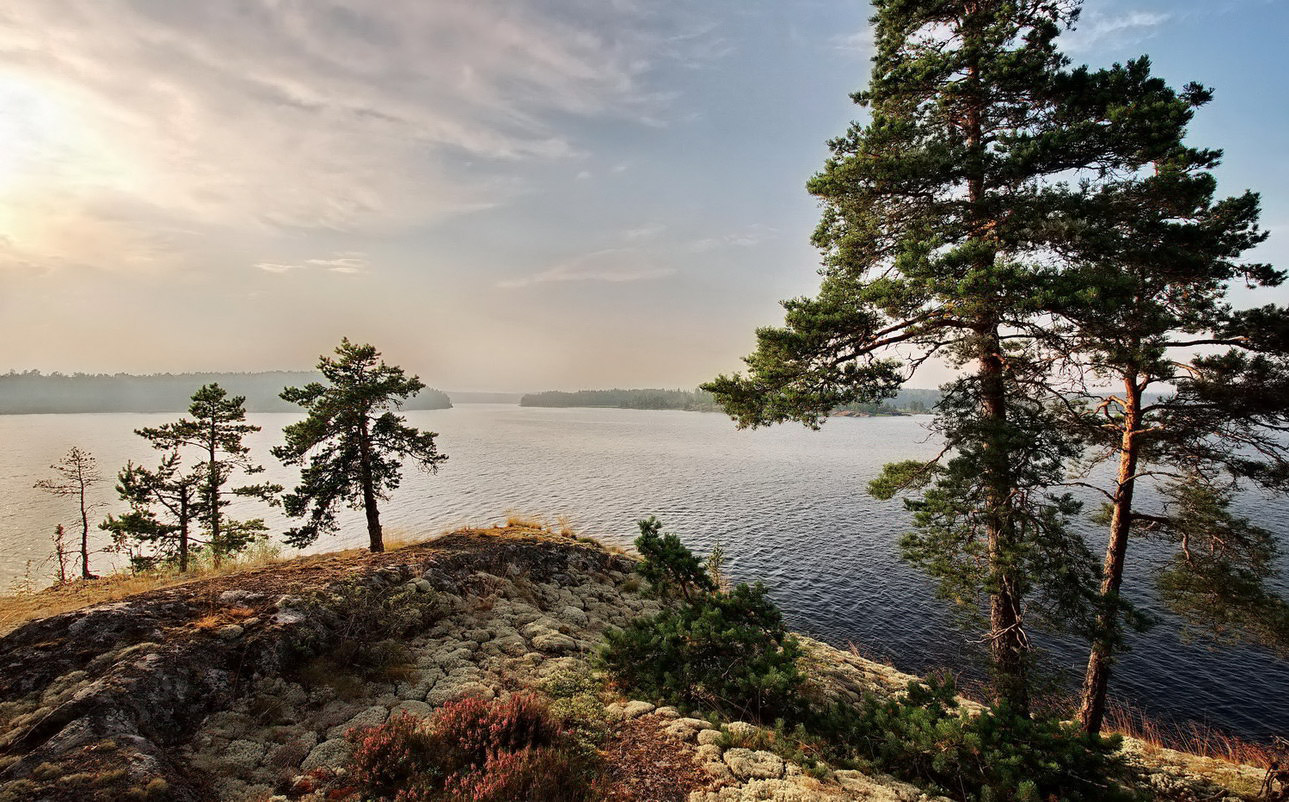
728,653
473,750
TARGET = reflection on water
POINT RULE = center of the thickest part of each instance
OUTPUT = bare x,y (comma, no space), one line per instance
788,505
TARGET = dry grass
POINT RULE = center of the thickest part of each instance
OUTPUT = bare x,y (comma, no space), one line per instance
516,520
1193,738
21,607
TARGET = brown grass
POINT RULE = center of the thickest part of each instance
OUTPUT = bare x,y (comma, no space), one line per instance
516,520
1190,737
18,608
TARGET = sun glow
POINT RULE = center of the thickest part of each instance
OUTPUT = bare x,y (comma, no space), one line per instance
30,120
57,159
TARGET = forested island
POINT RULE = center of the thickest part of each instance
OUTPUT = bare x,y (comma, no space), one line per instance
906,401
692,400
33,392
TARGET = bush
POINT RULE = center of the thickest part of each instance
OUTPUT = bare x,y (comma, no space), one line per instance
727,652
356,627
471,749
533,775
670,567
474,728
994,756
399,754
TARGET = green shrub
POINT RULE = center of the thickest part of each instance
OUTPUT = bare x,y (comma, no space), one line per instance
994,756
670,567
727,652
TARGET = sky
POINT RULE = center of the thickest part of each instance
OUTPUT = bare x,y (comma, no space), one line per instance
551,194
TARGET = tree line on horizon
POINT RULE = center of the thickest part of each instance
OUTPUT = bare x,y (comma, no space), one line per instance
905,400
350,448
1046,229
34,392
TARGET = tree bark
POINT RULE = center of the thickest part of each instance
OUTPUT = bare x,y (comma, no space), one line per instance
1007,645
85,528
183,533
1096,679
212,497
374,533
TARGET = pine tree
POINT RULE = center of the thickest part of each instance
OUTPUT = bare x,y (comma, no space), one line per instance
943,217
351,445
164,503
1160,255
77,473
215,432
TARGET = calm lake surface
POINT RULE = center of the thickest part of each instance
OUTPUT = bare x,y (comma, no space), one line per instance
787,504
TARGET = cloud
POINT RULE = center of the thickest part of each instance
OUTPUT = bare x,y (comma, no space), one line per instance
275,267
1097,29
347,263
611,265
747,237
860,44
647,231
271,115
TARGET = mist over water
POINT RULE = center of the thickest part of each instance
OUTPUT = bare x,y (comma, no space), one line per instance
787,504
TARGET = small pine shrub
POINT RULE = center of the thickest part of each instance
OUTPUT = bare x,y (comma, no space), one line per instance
994,756
472,750
670,568
727,652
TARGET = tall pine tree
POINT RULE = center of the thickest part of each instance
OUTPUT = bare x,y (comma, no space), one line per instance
940,224
352,444
1188,426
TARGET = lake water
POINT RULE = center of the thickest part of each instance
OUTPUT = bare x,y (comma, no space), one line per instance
788,505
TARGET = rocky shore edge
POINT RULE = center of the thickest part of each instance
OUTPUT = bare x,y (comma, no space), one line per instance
200,691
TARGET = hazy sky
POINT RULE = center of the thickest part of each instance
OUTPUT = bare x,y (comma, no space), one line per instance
499,195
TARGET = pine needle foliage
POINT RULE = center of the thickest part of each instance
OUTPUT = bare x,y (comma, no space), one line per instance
944,218
351,446
213,434
670,568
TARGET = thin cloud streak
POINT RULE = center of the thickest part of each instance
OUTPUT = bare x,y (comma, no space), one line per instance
346,263
1097,29
615,265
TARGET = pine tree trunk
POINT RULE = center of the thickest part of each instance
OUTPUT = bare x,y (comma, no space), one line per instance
183,534
1006,634
1008,651
85,535
1096,679
212,498
369,491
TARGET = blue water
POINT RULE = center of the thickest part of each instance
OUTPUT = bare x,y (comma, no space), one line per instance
787,504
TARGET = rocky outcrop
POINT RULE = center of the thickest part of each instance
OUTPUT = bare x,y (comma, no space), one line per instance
230,689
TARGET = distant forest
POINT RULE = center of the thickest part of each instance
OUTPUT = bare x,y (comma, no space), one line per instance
35,392
907,401
693,400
